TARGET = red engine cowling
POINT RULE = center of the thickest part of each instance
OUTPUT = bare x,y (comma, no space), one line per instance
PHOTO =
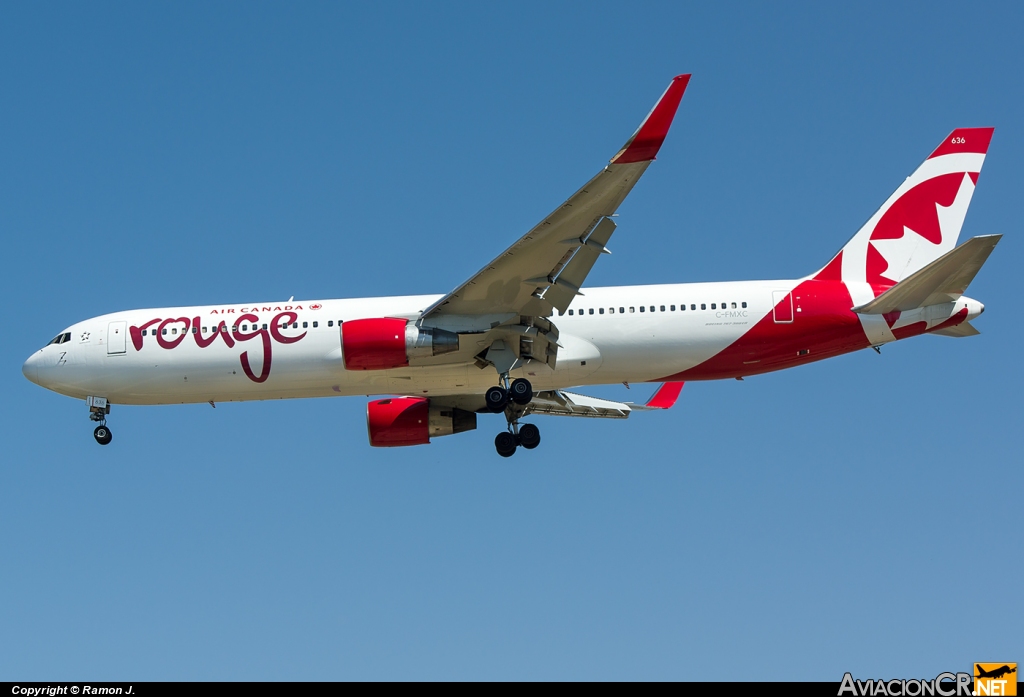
397,421
381,343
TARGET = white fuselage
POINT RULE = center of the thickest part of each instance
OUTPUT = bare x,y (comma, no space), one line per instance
611,336
693,331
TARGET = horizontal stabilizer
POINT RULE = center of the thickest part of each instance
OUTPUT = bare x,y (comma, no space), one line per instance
942,281
958,330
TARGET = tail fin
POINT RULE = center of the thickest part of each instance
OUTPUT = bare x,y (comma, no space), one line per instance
920,222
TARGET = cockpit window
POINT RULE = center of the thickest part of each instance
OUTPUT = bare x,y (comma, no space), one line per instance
60,338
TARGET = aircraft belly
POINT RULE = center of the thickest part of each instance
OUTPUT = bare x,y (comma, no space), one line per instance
648,352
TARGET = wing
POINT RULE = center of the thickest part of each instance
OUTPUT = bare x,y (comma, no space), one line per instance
563,403
545,268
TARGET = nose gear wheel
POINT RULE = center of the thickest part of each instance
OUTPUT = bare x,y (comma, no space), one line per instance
102,434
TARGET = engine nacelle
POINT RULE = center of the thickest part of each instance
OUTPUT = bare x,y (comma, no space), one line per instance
397,421
388,342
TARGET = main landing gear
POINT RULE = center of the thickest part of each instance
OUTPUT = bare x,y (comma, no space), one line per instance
512,399
98,410
520,392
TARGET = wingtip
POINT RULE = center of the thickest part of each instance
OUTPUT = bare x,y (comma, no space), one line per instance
666,396
647,141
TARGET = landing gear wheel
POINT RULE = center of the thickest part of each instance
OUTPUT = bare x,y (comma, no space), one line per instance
102,435
521,391
497,399
505,444
529,436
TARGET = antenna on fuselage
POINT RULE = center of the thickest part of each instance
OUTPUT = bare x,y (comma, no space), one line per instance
291,298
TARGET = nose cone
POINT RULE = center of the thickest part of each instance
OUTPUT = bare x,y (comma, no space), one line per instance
31,368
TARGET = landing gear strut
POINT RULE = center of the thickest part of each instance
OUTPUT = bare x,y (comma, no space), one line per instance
98,410
512,399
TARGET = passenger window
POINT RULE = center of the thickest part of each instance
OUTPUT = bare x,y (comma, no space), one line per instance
632,310
622,310
195,330
204,330
712,306
330,322
295,325
744,304
234,327
703,306
245,327
264,326
663,308
611,310
570,313
601,311
734,306
314,325
163,331
590,311
682,308
672,308
305,325
693,306
652,308
642,308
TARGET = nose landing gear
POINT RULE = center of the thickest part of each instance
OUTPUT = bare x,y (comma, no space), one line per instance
99,407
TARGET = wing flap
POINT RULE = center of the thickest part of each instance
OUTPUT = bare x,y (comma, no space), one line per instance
571,276
562,403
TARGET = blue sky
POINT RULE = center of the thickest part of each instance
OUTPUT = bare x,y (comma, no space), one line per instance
855,514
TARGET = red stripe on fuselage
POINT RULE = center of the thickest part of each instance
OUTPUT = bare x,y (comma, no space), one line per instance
823,326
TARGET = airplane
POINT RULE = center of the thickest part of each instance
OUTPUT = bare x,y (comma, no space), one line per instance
517,334
995,673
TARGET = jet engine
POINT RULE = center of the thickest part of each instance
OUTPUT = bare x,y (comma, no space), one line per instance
388,342
399,421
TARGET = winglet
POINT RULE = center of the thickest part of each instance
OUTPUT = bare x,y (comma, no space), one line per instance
645,143
666,396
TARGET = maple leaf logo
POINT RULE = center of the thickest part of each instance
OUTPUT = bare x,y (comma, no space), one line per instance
918,228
